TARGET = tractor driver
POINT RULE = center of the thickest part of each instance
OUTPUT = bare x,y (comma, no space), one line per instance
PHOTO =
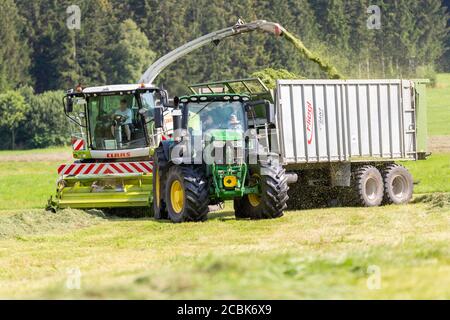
125,112
234,123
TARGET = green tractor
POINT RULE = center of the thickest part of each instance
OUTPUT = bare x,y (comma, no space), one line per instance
221,150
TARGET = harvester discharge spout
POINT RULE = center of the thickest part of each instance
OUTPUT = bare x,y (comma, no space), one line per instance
239,28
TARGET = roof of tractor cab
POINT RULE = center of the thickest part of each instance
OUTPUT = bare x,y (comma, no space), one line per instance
119,88
215,96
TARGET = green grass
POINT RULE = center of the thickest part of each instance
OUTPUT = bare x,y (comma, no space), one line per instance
309,254
32,152
432,175
26,184
438,100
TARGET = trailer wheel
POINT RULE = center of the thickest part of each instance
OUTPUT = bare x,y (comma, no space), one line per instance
187,194
272,201
398,184
159,174
368,186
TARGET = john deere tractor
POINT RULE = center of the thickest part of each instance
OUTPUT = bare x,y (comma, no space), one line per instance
221,150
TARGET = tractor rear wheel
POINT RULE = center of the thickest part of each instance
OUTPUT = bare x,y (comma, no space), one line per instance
273,198
368,186
159,175
398,184
187,194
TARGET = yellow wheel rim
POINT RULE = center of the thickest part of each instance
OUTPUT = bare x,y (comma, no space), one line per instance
157,188
254,200
177,196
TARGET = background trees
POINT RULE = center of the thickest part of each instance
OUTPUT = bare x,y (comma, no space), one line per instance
14,50
13,110
119,39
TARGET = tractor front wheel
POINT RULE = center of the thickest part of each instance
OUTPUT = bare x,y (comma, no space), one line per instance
187,194
273,198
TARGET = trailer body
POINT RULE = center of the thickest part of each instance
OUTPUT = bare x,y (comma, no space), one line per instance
325,121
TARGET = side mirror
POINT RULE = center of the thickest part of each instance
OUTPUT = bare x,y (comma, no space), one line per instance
176,102
159,117
185,116
69,105
164,97
270,112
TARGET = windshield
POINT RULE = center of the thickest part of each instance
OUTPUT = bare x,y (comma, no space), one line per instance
212,115
115,121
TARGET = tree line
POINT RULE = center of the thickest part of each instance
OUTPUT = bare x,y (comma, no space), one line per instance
117,40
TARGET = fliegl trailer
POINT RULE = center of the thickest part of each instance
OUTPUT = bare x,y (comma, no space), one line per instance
343,139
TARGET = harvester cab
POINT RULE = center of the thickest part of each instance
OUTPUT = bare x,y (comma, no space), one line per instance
221,150
113,137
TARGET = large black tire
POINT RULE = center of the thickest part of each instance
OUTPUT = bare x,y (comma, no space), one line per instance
274,194
368,186
240,211
159,176
398,184
193,191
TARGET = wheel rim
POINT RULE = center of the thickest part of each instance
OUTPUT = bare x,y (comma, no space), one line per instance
371,189
254,199
177,196
157,186
398,187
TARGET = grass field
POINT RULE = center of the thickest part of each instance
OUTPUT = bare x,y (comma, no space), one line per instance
439,106
309,254
322,253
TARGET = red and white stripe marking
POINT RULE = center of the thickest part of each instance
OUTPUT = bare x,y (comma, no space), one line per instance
78,144
77,169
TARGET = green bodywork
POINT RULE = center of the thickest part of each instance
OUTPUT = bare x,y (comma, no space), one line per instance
109,191
220,172
82,154
421,116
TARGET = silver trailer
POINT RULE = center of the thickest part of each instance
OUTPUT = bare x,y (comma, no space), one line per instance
355,120
349,133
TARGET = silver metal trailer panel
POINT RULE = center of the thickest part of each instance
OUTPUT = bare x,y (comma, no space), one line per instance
346,120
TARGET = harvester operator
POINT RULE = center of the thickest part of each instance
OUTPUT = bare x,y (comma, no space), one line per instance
127,114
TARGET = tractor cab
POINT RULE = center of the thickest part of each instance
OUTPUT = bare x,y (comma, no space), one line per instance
215,113
114,120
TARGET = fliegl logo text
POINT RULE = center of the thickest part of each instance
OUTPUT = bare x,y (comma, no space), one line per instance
309,122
